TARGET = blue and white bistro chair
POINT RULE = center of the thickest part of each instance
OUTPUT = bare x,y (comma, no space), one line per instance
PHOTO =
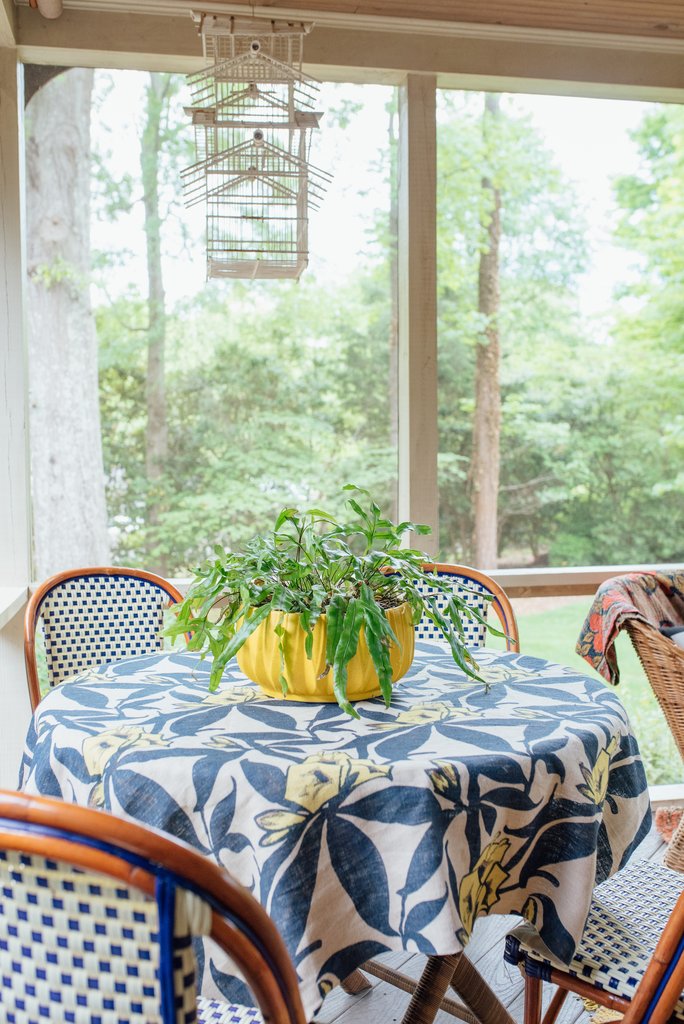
91,616
97,918
480,592
630,957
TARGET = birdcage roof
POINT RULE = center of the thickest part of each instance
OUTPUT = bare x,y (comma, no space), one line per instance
251,67
241,162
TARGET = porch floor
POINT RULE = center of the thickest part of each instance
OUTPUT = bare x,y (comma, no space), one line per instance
385,1004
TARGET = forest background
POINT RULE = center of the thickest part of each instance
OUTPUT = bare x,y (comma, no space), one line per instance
168,414
220,406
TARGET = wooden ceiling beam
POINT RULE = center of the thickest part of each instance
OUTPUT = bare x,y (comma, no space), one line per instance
475,57
659,19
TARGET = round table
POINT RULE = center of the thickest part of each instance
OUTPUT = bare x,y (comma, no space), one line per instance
394,831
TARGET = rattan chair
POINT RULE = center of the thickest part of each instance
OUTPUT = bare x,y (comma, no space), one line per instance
631,955
97,917
663,663
95,615
480,592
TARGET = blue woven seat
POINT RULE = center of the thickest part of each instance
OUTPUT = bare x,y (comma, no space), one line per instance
209,1011
479,592
629,914
92,616
98,917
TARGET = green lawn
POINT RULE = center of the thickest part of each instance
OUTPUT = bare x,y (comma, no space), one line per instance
552,635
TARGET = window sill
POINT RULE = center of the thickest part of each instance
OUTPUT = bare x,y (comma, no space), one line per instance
12,600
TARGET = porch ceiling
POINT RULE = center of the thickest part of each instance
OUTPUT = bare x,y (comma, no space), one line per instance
660,19
618,48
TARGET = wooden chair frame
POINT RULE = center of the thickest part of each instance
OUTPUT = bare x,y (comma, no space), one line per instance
96,841
656,995
500,600
33,610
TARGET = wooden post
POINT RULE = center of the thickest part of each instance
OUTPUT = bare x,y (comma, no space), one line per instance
418,497
14,502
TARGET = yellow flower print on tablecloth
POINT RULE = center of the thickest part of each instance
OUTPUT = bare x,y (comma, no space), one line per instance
444,778
428,713
97,796
97,750
312,784
232,695
505,672
533,714
479,889
595,785
220,742
225,696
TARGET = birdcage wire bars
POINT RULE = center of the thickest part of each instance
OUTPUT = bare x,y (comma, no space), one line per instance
253,114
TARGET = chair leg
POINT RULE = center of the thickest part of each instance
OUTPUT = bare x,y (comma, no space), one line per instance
555,1005
533,1000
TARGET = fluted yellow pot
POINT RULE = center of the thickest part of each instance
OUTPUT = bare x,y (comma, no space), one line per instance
259,659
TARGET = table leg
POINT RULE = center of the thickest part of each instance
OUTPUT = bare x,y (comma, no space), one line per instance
430,990
467,982
478,1004
406,984
355,983
471,987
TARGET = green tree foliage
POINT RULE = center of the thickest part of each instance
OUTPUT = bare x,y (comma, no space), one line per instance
626,504
279,393
542,252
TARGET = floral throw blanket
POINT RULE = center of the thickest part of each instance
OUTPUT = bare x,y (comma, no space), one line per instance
655,597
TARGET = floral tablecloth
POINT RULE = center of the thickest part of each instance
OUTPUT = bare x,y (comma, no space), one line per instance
392,832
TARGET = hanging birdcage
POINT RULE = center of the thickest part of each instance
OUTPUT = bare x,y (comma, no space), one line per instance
254,112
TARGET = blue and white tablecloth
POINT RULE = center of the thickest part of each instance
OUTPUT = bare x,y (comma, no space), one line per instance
393,832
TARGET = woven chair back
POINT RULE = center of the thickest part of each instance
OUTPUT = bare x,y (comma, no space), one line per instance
479,592
663,663
98,915
79,945
92,616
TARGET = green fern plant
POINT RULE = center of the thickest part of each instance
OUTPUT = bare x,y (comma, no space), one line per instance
312,564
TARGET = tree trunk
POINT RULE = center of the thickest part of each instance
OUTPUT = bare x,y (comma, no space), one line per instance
67,472
487,416
156,450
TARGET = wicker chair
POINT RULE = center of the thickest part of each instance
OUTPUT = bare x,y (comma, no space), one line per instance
97,917
631,955
89,616
480,592
663,663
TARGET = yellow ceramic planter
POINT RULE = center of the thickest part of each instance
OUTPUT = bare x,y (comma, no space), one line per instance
259,659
